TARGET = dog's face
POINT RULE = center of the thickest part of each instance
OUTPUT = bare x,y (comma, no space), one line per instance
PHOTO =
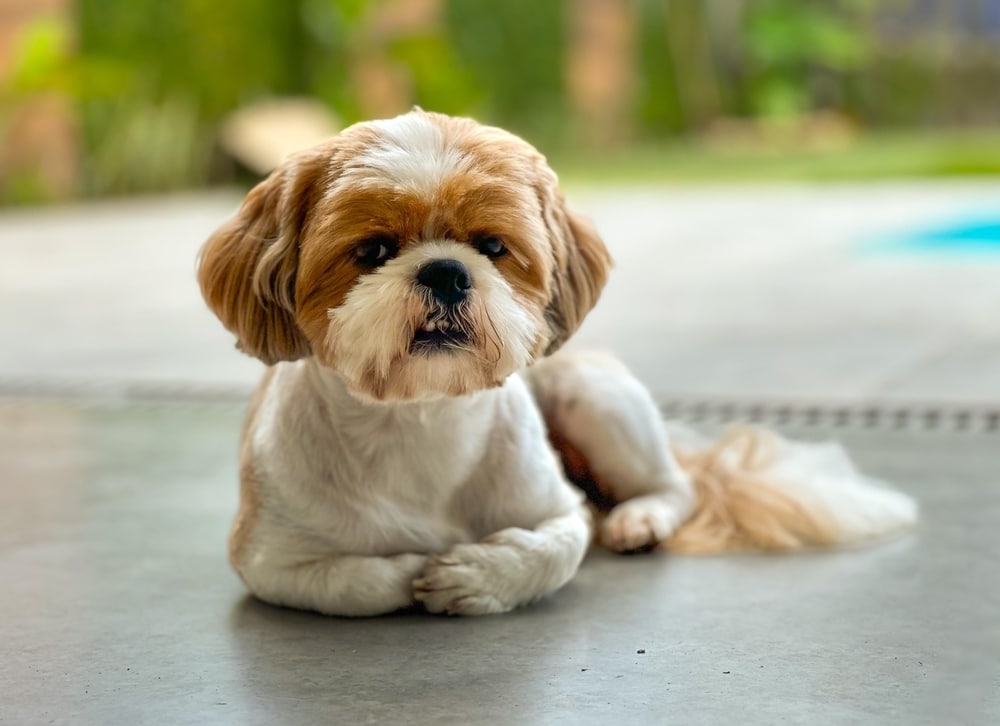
421,256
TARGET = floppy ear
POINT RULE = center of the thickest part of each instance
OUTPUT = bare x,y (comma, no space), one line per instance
582,262
247,268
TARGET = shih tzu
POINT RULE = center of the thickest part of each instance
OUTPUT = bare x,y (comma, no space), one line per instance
417,438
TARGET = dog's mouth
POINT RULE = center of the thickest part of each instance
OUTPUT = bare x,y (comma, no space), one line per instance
438,334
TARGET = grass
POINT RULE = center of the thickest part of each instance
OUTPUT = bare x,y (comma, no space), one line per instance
869,157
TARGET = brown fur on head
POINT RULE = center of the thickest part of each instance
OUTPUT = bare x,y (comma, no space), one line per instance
247,268
582,261
323,257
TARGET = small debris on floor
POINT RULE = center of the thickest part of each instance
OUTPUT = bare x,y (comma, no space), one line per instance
641,651
726,673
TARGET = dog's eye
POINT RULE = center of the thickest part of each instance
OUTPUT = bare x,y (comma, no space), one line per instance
376,251
492,247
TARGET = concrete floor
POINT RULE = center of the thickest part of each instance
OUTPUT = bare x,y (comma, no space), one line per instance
114,508
112,528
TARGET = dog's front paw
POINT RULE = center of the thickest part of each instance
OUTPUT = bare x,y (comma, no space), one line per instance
459,582
638,525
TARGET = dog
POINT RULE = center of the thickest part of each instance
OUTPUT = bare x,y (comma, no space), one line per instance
419,437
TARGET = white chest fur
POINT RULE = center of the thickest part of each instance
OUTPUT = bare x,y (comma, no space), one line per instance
369,478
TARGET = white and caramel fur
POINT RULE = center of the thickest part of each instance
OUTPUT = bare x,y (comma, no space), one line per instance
377,475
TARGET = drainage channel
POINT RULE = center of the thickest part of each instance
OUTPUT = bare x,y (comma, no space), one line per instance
869,415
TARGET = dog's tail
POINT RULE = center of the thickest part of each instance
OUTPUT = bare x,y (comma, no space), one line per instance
757,491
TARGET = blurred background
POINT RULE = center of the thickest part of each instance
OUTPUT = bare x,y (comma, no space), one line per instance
802,196
115,97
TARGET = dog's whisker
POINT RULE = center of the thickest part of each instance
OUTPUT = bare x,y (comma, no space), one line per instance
495,338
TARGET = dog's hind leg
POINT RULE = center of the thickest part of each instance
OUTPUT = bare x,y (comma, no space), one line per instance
613,443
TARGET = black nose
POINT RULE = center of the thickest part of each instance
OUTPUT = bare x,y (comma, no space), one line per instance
448,279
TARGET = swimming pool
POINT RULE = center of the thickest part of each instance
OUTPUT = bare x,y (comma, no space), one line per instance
973,235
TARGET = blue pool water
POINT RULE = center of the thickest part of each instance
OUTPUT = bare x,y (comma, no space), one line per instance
978,236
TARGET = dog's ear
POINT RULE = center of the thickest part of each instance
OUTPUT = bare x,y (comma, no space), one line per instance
582,262
247,268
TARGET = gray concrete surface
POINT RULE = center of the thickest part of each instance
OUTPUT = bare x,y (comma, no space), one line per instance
119,607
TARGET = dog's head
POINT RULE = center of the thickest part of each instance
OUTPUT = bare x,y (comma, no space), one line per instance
419,256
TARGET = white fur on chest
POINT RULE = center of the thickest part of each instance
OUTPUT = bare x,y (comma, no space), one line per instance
368,478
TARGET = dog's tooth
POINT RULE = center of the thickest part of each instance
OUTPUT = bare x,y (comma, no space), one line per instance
430,326
443,325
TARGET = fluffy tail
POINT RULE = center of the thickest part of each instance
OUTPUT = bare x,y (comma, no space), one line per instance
757,491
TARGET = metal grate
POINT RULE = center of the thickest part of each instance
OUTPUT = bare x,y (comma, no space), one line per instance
874,415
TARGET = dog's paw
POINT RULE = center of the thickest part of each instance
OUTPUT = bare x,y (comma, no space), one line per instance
638,525
459,583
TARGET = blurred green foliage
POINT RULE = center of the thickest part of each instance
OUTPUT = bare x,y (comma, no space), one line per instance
158,76
515,49
152,79
788,41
